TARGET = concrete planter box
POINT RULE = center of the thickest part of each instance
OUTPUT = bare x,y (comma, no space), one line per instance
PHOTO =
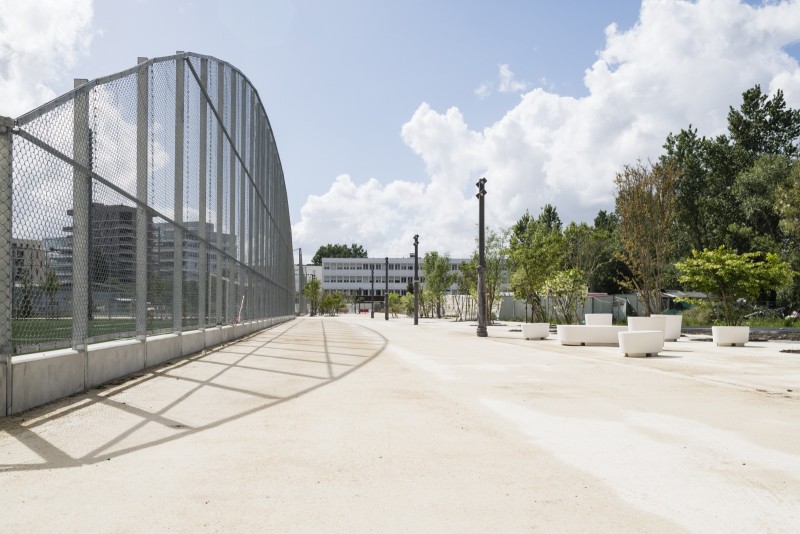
572,334
674,324
648,323
641,343
598,319
734,336
535,330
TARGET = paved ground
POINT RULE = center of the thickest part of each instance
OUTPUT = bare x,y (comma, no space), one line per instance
351,424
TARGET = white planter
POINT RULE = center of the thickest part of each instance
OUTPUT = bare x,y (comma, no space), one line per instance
637,324
641,342
598,319
535,330
673,328
730,335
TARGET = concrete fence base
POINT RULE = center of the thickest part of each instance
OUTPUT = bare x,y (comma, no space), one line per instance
36,379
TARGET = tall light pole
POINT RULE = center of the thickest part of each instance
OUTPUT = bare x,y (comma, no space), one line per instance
386,292
481,262
416,279
372,295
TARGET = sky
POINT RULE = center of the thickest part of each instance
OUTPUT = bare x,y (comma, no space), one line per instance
386,113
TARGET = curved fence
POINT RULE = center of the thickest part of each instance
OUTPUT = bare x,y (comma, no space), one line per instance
149,201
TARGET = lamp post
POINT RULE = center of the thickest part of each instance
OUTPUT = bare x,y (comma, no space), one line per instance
481,262
416,279
372,295
386,292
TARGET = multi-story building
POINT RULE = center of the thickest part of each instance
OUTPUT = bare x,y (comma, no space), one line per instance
29,261
353,276
164,244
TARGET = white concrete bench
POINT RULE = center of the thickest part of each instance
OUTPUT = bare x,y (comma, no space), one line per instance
576,334
673,328
598,319
641,342
648,323
535,330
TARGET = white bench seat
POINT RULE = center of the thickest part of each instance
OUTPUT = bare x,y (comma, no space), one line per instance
535,330
641,343
576,334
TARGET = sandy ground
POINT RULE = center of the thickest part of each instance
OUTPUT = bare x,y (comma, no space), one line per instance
354,424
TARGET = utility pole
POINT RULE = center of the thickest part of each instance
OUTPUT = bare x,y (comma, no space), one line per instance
416,279
481,262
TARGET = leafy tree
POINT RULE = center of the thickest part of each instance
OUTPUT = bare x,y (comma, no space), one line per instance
536,249
496,256
331,303
438,277
566,290
395,304
763,125
25,298
338,251
728,277
467,279
606,278
550,219
645,199
313,292
587,248
406,304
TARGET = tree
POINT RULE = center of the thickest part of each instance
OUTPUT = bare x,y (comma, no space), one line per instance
536,249
645,200
727,278
406,304
338,251
438,278
587,248
331,303
395,304
566,290
764,125
313,292
496,256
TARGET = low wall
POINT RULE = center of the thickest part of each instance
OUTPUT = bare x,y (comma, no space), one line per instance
44,377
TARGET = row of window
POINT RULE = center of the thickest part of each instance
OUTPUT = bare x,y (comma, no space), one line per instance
339,279
368,266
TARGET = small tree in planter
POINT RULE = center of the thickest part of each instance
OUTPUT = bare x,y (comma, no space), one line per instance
728,278
566,290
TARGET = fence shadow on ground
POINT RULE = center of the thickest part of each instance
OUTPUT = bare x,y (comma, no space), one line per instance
183,398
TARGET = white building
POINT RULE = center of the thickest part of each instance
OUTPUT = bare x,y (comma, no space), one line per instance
353,276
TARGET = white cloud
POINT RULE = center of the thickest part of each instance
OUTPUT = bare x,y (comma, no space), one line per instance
38,41
507,82
682,62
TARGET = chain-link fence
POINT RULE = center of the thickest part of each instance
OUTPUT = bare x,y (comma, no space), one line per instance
145,202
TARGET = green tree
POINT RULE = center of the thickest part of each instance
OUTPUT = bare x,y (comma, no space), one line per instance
395,304
536,249
313,292
728,277
50,286
496,257
588,248
645,200
438,278
338,251
566,290
331,303
407,304
764,125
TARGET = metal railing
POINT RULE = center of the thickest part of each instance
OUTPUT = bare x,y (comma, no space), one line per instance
149,201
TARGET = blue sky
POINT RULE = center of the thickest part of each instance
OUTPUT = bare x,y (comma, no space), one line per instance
385,113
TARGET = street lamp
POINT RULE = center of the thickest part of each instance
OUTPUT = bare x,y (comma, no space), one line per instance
372,296
416,279
481,262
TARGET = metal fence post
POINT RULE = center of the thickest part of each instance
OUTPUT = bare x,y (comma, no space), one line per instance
142,228
231,315
242,206
177,264
81,195
218,254
250,215
6,268
202,178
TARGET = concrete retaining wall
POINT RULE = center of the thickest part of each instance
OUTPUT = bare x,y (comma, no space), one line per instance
44,377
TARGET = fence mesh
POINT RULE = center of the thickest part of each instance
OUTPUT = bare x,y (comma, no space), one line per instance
145,202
